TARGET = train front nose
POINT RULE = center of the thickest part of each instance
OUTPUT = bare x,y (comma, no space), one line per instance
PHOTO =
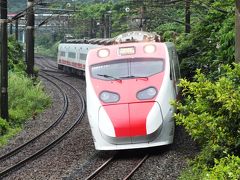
130,123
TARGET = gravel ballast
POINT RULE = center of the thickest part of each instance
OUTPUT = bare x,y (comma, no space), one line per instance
75,157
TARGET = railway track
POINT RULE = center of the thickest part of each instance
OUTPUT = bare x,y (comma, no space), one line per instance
113,161
56,71
75,157
46,63
19,152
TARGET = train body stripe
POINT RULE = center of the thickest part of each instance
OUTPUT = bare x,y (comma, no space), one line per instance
119,115
138,113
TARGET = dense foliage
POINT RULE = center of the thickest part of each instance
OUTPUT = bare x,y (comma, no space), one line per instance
215,106
26,97
15,56
210,107
210,114
211,42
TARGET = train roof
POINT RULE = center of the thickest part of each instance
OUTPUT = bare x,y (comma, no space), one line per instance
103,41
128,37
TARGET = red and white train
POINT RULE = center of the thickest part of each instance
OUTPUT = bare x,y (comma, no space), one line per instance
130,85
72,56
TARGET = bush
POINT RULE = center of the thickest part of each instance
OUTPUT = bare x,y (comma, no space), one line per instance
15,56
4,126
25,101
225,168
210,114
25,98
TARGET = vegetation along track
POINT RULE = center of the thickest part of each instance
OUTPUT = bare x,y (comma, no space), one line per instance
112,166
75,157
39,148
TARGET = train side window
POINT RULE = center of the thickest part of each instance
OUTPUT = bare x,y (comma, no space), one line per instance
83,56
72,55
62,53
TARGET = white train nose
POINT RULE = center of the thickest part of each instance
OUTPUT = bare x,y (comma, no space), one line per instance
105,124
154,119
130,123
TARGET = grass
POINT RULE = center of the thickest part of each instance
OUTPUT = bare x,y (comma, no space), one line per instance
26,99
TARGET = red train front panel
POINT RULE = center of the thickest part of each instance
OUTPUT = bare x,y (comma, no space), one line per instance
128,94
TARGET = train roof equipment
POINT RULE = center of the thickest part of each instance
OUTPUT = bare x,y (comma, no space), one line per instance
128,37
137,36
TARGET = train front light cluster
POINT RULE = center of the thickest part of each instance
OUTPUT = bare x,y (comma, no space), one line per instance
146,94
109,97
102,53
149,49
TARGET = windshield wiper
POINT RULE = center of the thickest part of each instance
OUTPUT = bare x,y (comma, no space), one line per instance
109,77
137,77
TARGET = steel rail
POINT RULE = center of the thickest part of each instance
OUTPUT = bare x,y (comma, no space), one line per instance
54,142
136,167
48,66
107,162
59,118
98,170
52,71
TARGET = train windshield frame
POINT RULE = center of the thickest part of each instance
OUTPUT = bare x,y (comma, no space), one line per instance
127,68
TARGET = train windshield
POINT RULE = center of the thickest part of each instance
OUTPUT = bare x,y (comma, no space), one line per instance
127,68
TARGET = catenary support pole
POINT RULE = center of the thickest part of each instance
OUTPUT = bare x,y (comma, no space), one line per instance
4,60
10,28
237,44
187,16
103,27
141,19
16,30
30,39
107,23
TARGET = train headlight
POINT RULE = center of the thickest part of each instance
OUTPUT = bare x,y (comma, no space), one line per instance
149,49
109,97
102,53
148,93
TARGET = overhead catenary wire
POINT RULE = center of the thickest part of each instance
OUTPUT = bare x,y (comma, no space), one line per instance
157,1
193,5
24,12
